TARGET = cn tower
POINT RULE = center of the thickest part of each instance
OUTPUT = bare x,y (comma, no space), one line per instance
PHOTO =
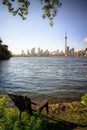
65,44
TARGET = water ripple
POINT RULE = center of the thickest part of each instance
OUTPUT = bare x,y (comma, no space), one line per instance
47,77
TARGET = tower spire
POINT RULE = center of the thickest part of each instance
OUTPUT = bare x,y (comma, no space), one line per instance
65,43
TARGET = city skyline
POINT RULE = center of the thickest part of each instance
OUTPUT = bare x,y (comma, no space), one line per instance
36,32
67,48
40,52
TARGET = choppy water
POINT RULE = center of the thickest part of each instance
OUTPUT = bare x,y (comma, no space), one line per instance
53,77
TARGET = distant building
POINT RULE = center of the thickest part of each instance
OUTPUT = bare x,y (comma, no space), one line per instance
39,52
55,53
46,52
23,54
68,50
72,51
28,53
33,53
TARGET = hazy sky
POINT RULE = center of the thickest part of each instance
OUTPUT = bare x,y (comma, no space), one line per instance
36,32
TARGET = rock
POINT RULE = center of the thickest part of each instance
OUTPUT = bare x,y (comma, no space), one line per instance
64,107
61,108
55,110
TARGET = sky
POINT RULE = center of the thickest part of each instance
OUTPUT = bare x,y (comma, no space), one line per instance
36,32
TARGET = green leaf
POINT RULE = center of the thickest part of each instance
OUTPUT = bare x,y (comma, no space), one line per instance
20,14
43,16
23,18
51,23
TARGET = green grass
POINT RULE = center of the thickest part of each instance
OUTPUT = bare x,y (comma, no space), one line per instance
74,119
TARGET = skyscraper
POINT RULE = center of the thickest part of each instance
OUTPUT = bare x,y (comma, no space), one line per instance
33,52
22,53
65,44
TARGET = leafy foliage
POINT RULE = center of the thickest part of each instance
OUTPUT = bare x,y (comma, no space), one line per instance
50,9
20,7
9,118
84,99
4,52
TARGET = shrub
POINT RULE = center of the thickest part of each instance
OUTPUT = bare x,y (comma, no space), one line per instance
9,118
84,99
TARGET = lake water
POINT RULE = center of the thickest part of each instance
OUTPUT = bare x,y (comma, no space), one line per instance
56,78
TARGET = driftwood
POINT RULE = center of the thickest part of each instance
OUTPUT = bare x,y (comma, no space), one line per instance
23,103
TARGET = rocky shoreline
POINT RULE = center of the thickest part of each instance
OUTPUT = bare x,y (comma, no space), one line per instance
64,107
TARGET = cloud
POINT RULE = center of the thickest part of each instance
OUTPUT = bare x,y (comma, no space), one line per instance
85,39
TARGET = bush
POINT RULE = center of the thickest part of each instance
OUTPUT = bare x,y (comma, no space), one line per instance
9,118
84,99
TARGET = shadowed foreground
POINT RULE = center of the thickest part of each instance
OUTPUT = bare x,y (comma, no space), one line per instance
64,116
57,124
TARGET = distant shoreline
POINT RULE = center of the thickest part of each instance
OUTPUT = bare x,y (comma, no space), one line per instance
50,56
